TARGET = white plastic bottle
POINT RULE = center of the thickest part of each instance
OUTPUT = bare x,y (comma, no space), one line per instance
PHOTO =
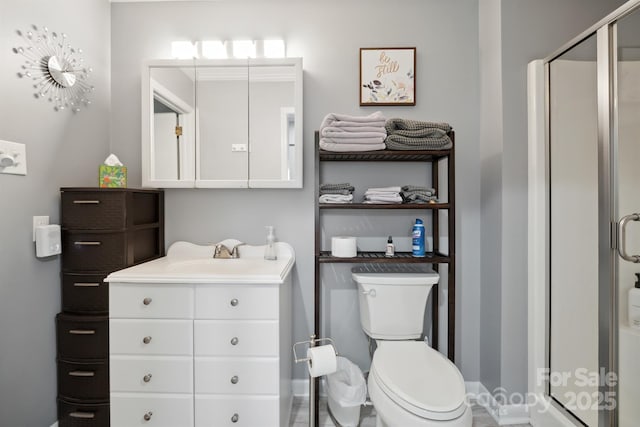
270,249
634,304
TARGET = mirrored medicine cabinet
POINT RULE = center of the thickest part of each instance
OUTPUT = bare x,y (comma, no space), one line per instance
225,123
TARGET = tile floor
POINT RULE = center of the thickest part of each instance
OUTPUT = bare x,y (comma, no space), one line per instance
300,416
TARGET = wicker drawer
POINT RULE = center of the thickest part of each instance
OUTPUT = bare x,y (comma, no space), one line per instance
85,293
82,337
83,380
94,210
82,414
93,252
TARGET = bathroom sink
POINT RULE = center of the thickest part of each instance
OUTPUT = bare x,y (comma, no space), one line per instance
189,263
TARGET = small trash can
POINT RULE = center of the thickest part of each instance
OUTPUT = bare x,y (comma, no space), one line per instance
346,392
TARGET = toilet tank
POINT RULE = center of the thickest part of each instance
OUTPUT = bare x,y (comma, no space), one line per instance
392,304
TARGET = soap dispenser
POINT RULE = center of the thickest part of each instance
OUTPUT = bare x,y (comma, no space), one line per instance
270,249
634,304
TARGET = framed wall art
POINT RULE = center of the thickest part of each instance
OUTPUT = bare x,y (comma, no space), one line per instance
387,76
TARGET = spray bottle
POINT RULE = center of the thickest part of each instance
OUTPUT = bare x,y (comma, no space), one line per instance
417,235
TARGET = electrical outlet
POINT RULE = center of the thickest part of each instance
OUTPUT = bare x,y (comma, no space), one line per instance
13,158
238,148
39,220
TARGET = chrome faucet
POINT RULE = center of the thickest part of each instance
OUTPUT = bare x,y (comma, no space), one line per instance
221,251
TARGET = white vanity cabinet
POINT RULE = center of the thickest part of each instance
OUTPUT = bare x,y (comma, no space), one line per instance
191,344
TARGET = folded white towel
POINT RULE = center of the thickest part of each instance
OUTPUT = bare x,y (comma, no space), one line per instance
395,189
330,133
336,198
367,140
383,198
333,119
352,129
342,147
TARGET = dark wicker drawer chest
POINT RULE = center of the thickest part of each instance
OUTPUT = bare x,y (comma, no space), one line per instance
103,230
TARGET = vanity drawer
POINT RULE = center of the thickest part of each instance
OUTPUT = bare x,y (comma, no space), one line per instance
85,293
82,337
153,301
162,410
236,338
98,210
83,381
93,252
72,414
151,337
236,302
220,411
237,375
153,374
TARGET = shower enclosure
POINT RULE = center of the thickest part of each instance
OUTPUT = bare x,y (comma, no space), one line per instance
584,241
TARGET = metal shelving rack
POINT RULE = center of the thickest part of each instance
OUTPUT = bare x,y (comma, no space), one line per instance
434,157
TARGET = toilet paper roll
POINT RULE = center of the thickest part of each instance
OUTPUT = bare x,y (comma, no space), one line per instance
322,360
343,246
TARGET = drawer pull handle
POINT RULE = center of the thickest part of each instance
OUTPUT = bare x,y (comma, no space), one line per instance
82,331
235,418
146,378
147,301
82,374
86,285
234,341
146,340
86,202
85,243
234,302
85,415
147,416
235,379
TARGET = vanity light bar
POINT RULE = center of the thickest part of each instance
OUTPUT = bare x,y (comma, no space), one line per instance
218,49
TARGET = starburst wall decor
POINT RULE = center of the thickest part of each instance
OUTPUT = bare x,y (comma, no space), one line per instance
56,69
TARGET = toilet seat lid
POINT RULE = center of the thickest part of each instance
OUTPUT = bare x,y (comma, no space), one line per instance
419,379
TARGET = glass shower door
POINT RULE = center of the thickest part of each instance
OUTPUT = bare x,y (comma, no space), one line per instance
627,183
574,199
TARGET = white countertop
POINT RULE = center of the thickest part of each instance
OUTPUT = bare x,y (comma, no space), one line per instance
189,263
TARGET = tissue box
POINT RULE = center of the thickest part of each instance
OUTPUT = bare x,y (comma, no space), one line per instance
113,176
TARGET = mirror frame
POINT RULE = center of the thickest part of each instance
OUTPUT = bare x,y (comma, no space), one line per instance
193,181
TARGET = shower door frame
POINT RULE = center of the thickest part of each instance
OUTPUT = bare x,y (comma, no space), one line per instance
544,409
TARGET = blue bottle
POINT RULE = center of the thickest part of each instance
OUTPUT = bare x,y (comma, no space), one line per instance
417,235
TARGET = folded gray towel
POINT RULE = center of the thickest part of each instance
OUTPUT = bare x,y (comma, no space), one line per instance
417,135
409,188
342,188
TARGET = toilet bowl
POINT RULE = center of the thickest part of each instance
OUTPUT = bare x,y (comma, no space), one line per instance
410,384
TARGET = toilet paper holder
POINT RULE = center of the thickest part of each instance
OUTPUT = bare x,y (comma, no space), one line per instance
313,342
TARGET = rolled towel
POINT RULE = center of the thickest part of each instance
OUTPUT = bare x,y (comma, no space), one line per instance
335,198
342,147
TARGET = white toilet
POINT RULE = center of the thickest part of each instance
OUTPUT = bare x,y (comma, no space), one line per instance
410,384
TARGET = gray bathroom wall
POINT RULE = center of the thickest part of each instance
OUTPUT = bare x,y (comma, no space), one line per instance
528,30
328,36
63,149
